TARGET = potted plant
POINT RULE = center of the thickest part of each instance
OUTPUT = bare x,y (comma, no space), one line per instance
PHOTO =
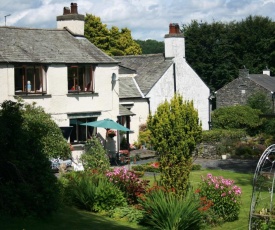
111,133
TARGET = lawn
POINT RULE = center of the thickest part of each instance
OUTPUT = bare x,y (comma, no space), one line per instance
70,218
244,181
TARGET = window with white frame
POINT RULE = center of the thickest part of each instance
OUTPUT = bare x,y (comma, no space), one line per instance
81,78
30,79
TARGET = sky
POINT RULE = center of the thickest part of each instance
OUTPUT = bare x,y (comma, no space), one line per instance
147,19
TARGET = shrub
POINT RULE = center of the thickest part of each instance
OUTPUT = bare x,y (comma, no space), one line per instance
237,117
129,214
95,157
223,195
167,210
93,192
196,167
129,183
28,137
216,135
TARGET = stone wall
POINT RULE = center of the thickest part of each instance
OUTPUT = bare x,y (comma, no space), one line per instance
238,91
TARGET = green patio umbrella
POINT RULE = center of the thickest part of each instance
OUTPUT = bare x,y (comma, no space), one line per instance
107,124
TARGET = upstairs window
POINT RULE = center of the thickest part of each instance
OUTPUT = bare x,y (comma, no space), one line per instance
30,79
81,78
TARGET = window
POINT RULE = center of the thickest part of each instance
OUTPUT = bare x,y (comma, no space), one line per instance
81,133
81,78
30,79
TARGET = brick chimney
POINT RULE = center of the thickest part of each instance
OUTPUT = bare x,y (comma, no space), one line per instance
174,28
174,42
71,20
74,8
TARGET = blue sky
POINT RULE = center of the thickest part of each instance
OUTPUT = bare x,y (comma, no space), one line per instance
147,19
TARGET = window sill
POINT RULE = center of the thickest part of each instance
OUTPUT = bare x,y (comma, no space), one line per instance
32,93
81,93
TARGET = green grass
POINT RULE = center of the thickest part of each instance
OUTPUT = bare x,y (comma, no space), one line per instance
70,218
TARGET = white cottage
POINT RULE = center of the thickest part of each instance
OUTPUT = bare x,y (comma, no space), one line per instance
60,70
147,80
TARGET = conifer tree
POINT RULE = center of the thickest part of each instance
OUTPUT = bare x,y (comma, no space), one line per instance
175,130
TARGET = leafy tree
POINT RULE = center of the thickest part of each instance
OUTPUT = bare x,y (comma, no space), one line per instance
175,131
237,117
28,137
259,101
151,46
114,42
218,50
95,157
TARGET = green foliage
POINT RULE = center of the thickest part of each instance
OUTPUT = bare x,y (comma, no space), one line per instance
175,132
144,136
151,46
92,192
129,183
237,117
218,50
95,157
221,196
28,137
249,150
215,135
114,42
260,101
166,210
129,214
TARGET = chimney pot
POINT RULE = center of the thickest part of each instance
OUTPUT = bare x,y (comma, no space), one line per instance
174,28
74,8
66,10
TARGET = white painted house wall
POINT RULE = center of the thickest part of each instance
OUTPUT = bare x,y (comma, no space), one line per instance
59,103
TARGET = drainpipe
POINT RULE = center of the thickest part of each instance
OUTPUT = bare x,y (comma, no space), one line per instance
175,79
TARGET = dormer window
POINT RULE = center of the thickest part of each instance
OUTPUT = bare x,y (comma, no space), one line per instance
30,79
81,78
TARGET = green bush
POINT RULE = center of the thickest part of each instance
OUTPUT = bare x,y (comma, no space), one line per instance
95,157
28,137
221,196
216,135
196,167
92,192
237,117
167,210
129,183
129,214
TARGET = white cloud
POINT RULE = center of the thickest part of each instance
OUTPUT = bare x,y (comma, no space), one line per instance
145,18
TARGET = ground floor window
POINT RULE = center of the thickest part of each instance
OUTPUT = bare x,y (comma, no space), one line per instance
30,79
81,133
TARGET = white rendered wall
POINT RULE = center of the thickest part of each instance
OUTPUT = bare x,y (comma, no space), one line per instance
141,111
188,84
174,47
59,103
76,26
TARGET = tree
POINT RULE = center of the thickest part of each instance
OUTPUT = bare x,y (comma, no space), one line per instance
151,46
218,50
175,131
237,117
114,42
28,137
260,101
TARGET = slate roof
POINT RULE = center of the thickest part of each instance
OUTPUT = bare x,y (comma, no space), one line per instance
128,88
124,111
264,80
26,45
149,68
